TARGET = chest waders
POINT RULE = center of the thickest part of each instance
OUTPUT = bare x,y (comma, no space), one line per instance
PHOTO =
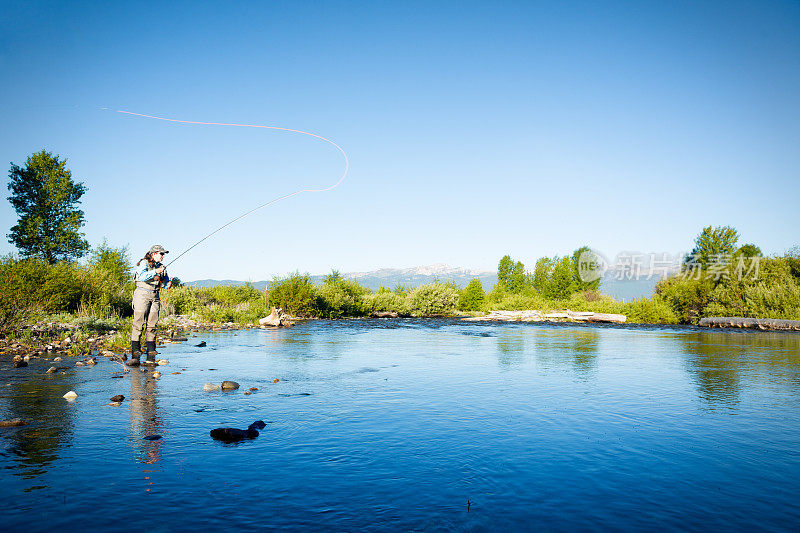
146,306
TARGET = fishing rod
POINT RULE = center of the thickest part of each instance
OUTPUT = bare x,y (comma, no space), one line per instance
284,197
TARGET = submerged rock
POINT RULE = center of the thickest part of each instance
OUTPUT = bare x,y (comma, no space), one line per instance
201,345
14,422
211,387
114,404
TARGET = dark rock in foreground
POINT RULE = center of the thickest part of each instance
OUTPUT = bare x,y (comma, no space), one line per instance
117,398
236,435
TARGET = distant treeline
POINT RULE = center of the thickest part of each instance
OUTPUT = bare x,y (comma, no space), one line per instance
719,278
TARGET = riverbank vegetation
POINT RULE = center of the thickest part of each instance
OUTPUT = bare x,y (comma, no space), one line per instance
95,296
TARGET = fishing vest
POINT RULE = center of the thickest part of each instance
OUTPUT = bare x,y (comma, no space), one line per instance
152,284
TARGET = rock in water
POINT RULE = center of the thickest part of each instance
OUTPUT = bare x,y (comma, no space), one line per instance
52,370
236,435
210,386
117,398
20,364
201,345
114,404
14,422
229,385
71,395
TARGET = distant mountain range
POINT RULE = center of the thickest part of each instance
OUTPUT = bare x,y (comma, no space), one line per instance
623,290
389,277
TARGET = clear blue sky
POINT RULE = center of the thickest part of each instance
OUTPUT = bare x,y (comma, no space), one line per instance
473,129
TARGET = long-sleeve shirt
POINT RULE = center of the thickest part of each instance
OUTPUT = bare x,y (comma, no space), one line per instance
145,273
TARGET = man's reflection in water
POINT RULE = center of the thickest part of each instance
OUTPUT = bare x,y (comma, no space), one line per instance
145,418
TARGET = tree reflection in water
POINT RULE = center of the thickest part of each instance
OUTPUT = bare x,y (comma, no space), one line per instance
38,400
576,347
720,361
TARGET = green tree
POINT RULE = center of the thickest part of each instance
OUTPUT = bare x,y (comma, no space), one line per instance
472,296
505,269
560,285
749,250
541,273
333,278
511,274
714,242
46,198
586,262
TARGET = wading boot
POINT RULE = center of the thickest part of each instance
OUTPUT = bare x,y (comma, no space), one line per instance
136,353
151,353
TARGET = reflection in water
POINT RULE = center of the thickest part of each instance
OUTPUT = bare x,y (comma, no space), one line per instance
145,419
511,347
39,402
577,347
718,361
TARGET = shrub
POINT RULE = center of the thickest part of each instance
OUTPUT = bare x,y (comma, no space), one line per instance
180,301
686,297
295,294
339,297
387,300
653,310
434,299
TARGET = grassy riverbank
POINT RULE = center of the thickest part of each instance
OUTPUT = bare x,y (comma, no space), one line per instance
39,299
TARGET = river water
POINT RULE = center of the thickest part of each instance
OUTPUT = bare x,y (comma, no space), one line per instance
430,425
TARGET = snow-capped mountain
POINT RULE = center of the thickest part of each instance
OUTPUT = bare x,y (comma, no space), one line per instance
391,277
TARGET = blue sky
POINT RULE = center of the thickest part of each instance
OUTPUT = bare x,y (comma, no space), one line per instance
473,129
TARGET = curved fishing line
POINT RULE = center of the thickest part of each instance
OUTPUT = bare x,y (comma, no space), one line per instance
284,197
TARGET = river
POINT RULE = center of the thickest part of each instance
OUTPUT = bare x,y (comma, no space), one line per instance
414,424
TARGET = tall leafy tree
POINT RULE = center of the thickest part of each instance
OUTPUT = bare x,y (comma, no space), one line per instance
472,296
46,200
511,274
713,243
505,269
585,269
541,273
